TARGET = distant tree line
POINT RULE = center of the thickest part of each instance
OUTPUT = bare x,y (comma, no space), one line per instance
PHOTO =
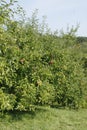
81,39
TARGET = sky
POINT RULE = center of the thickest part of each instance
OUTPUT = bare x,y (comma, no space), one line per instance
60,13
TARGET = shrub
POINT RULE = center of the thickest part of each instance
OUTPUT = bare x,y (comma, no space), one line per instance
38,68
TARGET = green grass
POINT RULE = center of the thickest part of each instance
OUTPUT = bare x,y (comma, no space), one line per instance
45,119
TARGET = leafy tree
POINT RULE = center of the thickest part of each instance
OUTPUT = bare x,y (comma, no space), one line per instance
38,67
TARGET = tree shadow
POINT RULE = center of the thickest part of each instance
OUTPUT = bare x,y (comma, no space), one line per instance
14,116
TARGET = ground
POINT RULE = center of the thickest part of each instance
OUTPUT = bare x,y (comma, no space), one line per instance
45,118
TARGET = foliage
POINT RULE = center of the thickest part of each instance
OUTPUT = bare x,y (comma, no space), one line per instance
38,67
81,39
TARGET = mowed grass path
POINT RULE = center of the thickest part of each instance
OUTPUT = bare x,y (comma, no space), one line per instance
45,119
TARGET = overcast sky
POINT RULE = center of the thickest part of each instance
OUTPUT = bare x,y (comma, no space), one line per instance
60,13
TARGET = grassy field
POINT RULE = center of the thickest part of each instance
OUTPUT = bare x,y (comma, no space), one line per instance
45,119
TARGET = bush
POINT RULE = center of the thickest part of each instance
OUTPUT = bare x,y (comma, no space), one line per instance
38,68
45,93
